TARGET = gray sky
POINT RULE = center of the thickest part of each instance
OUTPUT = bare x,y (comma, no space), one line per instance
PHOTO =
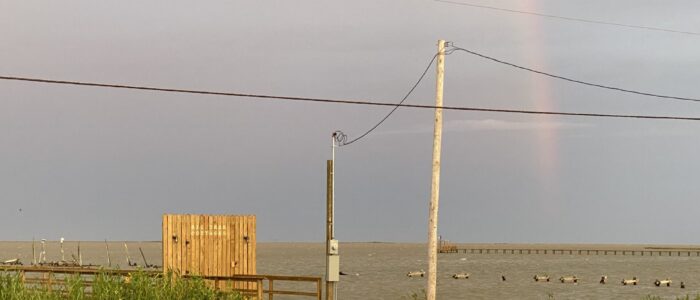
89,163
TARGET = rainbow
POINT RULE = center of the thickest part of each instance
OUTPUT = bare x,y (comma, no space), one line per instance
547,140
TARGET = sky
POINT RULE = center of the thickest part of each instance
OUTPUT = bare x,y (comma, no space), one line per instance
87,163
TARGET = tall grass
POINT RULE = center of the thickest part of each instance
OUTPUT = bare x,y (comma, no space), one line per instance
139,286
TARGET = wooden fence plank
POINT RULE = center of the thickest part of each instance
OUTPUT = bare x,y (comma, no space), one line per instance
178,241
217,249
164,246
236,258
239,258
197,242
212,250
203,251
246,241
227,247
253,256
184,230
207,245
169,241
210,246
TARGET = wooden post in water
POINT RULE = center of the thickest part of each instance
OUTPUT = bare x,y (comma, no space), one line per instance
63,254
128,257
435,187
33,253
109,258
145,262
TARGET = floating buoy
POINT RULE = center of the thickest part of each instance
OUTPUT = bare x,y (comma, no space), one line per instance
461,276
666,282
632,281
568,279
604,279
420,273
539,278
682,285
14,261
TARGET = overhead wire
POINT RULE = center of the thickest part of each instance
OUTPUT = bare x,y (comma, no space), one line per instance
339,101
344,143
569,18
455,48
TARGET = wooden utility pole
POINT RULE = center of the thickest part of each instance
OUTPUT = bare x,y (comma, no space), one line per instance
332,260
435,187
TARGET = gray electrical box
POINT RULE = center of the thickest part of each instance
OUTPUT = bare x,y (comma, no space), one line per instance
333,271
333,247
333,268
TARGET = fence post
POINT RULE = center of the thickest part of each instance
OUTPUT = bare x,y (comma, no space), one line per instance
50,281
271,289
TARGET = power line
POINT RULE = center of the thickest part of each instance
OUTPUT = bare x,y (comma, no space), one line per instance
574,80
338,101
341,137
569,18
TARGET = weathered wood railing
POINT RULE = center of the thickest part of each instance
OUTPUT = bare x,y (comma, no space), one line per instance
56,277
271,279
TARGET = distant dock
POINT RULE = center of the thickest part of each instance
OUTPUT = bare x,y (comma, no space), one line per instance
554,249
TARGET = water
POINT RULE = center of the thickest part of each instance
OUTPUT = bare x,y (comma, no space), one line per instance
382,269
92,252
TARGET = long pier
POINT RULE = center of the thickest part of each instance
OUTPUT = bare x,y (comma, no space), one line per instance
639,252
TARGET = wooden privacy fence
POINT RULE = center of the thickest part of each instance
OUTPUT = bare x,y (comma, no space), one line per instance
209,245
56,278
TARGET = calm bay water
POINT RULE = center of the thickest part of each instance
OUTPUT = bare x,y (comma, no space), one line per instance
382,269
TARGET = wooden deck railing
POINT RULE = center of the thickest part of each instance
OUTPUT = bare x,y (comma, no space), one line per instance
56,277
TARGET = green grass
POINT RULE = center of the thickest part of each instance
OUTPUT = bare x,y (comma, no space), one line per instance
139,286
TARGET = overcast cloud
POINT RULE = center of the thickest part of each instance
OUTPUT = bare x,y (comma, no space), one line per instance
89,163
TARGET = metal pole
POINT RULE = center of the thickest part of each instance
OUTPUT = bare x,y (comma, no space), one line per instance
332,259
335,284
330,284
332,254
435,189
333,187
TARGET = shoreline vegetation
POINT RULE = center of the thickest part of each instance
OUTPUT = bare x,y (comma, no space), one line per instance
138,286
